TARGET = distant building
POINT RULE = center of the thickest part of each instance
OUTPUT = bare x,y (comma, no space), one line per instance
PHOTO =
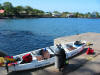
56,14
69,15
23,12
93,15
48,13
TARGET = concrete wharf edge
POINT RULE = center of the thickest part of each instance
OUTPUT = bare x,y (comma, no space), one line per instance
81,64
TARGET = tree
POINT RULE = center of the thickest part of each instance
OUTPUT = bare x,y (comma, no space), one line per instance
19,10
87,15
79,15
8,8
49,14
64,14
38,12
1,6
76,14
56,14
29,10
97,15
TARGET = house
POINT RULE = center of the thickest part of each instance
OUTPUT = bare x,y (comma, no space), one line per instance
56,14
69,15
2,11
93,15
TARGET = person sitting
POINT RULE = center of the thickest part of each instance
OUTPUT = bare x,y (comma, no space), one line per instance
45,53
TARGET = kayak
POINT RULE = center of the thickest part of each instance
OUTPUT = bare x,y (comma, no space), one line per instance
36,60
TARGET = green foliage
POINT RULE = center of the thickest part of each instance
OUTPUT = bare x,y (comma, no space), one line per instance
48,14
8,8
76,14
97,15
38,12
64,14
88,15
18,10
56,12
29,11
1,6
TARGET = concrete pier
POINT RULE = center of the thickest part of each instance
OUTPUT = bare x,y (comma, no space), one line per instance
90,37
81,64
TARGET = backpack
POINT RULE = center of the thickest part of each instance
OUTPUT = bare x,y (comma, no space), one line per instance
27,58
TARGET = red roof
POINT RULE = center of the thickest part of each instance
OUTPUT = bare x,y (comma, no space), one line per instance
2,11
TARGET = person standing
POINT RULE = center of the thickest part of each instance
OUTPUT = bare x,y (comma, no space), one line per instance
61,60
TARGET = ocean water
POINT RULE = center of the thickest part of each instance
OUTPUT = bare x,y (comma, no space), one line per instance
23,35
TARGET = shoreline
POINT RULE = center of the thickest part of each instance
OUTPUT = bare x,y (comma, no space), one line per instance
39,16
42,17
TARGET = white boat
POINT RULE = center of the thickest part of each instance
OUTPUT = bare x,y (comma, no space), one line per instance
70,48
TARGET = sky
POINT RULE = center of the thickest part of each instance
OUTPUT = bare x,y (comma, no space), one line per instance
82,6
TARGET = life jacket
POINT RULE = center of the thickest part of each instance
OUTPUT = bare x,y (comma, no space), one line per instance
27,58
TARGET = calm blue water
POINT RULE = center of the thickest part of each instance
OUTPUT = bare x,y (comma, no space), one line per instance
22,35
